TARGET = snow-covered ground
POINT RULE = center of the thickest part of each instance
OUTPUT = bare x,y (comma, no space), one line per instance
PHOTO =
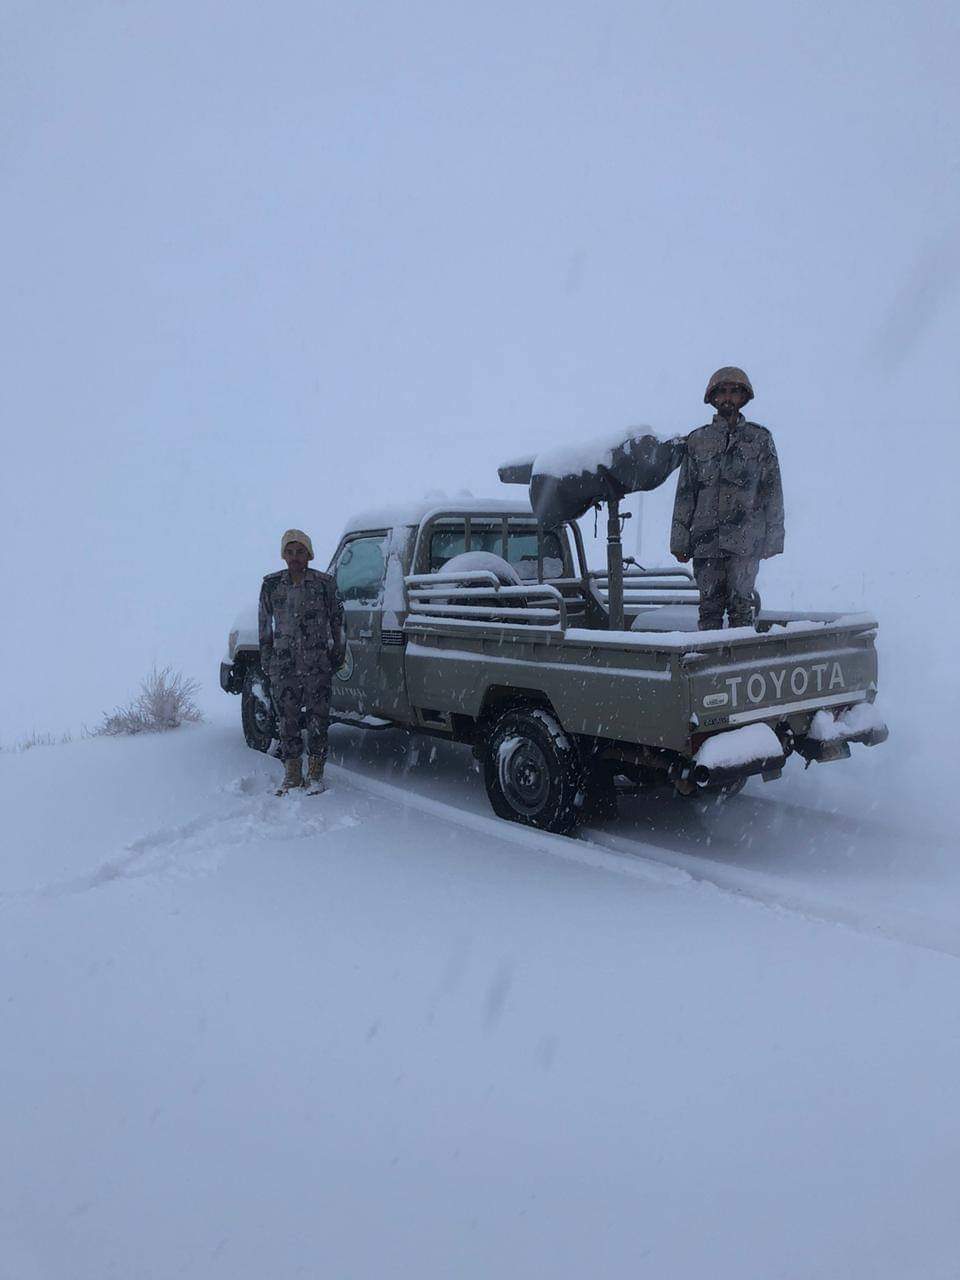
380,1033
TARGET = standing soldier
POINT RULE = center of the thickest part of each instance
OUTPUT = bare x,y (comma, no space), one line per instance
728,514
301,646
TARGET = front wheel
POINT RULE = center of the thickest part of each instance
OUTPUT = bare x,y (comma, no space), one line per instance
256,713
533,772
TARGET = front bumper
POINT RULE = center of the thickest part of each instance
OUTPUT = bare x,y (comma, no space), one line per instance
231,680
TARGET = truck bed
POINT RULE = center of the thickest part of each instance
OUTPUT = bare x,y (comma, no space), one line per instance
661,688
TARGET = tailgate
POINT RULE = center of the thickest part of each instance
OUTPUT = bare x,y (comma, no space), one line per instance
781,676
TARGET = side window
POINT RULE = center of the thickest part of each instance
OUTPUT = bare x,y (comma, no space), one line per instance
359,569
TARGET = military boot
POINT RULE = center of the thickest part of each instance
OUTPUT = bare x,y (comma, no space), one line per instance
315,783
292,776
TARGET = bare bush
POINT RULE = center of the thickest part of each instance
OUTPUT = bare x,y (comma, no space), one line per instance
41,740
167,699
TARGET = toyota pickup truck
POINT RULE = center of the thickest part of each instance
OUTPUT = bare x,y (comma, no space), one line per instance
520,664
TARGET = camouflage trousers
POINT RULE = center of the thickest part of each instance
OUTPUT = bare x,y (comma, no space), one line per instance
293,695
726,585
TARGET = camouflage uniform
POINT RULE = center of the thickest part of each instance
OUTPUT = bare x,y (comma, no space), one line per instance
302,644
728,514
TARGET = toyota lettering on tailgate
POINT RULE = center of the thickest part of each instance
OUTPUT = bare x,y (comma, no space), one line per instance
774,686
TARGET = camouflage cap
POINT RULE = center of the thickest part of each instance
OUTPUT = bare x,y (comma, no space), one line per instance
729,373
296,535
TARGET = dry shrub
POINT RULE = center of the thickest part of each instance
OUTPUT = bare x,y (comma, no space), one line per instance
41,740
167,699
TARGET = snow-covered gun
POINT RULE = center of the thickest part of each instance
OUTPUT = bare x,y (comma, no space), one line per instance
566,482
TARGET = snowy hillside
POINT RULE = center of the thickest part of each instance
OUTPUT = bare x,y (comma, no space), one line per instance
380,1033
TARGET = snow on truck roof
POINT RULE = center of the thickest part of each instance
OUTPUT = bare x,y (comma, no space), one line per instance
414,513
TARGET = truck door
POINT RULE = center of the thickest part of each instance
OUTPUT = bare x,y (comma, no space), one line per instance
359,568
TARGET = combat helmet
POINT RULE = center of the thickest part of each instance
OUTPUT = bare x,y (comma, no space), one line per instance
729,373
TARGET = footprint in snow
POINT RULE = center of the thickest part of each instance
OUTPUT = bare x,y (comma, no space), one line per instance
198,847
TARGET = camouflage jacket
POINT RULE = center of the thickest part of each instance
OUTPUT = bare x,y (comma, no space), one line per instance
301,628
729,498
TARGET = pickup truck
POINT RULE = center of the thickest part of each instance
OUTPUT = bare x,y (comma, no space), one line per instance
563,712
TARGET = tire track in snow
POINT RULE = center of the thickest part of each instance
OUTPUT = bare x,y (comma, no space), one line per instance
604,851
563,847
909,927
197,847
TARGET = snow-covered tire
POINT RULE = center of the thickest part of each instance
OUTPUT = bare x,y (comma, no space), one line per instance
259,723
533,771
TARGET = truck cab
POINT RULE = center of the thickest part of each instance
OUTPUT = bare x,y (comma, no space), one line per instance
374,557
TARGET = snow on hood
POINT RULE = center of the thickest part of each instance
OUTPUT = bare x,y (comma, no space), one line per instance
244,631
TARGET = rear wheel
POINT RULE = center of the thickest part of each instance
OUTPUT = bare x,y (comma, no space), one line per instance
256,713
533,772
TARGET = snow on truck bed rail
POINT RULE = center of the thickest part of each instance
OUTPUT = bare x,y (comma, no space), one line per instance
246,634
697,639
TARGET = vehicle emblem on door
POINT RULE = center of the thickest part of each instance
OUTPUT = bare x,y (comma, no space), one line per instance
345,670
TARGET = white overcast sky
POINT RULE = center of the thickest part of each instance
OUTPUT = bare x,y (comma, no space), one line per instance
265,264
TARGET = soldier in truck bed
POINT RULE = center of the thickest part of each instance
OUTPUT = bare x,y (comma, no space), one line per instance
728,513
301,645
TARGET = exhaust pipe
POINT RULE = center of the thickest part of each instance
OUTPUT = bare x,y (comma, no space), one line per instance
822,750
834,744
720,776
871,737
